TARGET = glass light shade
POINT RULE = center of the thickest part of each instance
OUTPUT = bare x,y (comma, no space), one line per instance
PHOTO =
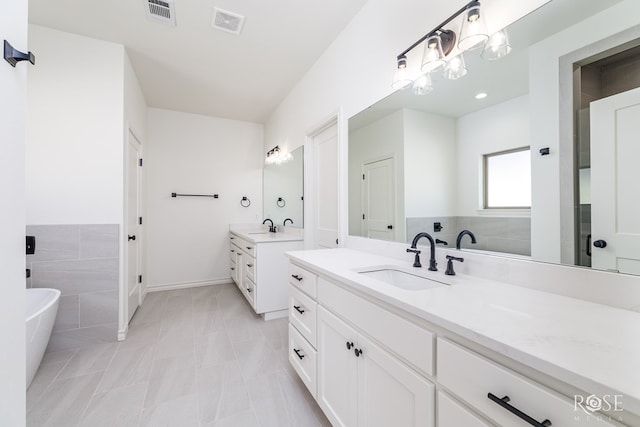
433,58
401,79
422,85
473,31
497,46
455,68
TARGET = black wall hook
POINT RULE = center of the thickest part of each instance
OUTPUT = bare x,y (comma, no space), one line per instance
14,56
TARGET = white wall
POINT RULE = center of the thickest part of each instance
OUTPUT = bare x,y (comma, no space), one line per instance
497,128
375,141
429,159
545,99
13,28
187,237
75,130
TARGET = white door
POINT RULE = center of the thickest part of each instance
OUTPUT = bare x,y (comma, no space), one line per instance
615,207
13,81
326,187
378,199
134,227
389,393
337,370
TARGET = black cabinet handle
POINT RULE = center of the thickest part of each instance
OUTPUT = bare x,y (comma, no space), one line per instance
249,290
13,56
349,345
295,276
249,265
231,238
357,351
390,227
504,402
233,250
297,307
131,237
297,352
588,244
232,268
248,247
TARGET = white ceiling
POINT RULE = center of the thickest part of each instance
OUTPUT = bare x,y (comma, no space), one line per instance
197,69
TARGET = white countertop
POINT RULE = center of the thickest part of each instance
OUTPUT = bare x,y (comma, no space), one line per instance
593,347
261,236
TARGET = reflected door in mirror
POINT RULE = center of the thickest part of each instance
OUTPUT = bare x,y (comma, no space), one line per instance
378,199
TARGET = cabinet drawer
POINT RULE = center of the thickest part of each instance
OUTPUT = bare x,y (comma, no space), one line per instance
244,245
303,358
249,291
453,414
472,377
250,264
303,314
406,339
304,280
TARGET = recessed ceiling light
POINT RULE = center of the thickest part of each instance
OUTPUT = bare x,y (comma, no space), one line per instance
481,95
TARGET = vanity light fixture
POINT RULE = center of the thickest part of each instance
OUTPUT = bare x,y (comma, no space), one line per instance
277,156
440,50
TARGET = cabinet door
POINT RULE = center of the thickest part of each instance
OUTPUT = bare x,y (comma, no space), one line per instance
389,393
337,370
453,414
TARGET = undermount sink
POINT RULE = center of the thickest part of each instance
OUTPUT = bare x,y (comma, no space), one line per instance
401,279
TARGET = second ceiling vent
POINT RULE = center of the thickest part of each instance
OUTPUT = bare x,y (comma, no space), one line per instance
161,11
227,21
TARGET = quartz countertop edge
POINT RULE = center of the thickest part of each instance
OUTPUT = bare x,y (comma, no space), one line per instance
593,347
261,236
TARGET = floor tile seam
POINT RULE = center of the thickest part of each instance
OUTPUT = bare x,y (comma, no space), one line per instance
95,391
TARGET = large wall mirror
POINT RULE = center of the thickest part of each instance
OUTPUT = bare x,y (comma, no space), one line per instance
437,162
283,190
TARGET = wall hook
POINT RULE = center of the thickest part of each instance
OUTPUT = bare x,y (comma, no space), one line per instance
14,56
245,202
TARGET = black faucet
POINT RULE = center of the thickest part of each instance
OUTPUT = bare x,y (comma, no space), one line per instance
450,260
413,249
287,219
272,228
461,235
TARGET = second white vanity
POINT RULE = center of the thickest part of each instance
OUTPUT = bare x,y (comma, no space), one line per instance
409,347
258,267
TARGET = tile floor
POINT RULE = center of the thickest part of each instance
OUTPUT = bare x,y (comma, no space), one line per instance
193,357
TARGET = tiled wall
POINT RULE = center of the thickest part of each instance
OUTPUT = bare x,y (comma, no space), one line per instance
82,262
498,234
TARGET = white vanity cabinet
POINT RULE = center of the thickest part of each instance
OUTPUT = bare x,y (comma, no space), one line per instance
369,363
258,267
355,381
360,384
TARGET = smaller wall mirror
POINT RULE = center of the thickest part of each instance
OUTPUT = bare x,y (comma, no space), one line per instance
284,190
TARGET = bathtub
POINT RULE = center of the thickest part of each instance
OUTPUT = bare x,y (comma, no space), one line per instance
42,308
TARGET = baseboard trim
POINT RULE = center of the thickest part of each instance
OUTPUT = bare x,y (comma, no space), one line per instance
122,333
185,285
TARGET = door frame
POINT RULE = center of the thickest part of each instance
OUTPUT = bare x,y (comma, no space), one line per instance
123,321
335,118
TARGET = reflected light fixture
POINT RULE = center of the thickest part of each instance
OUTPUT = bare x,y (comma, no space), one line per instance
455,68
277,156
481,95
440,53
497,46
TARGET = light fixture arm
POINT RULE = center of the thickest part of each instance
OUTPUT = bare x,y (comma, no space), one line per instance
439,29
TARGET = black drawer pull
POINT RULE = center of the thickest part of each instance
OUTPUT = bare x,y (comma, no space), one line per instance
357,351
349,345
249,290
295,276
297,307
249,265
297,352
504,402
249,247
232,268
233,250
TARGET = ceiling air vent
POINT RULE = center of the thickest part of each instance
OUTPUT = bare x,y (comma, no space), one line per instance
161,11
227,21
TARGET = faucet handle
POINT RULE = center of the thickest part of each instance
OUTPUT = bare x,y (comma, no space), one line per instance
450,259
413,251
